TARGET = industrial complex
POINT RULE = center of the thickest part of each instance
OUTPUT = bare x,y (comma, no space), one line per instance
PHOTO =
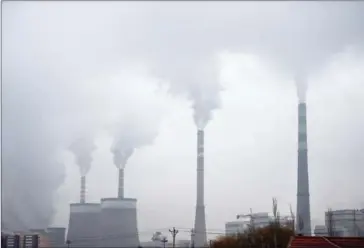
113,222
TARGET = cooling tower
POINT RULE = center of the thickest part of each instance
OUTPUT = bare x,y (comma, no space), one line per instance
200,239
56,236
84,225
303,216
119,222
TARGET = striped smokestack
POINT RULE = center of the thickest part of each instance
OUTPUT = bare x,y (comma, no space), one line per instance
121,184
200,238
200,168
83,190
303,216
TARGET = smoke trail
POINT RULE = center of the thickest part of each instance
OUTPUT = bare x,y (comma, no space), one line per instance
82,148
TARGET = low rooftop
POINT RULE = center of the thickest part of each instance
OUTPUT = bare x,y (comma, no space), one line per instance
326,242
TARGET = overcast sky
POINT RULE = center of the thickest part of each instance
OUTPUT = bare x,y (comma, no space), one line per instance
83,68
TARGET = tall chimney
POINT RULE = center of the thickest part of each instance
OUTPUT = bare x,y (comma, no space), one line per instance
83,190
200,239
121,184
303,216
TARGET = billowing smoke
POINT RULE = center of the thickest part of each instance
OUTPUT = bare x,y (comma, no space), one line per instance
130,135
139,114
82,149
196,78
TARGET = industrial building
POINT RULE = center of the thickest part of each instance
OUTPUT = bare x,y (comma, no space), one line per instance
258,220
56,236
342,223
320,230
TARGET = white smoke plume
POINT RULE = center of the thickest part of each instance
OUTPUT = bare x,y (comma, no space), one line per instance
82,149
198,79
140,114
130,134
301,85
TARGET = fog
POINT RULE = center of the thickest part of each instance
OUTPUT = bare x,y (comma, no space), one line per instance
157,69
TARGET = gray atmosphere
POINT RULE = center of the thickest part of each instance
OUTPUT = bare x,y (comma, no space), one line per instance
137,78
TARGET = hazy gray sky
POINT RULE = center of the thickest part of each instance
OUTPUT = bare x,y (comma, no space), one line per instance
87,67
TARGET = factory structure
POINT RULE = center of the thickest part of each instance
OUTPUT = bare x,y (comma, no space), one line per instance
342,223
199,237
110,223
258,220
303,215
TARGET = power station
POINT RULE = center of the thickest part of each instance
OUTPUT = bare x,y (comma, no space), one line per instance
110,223
303,215
199,237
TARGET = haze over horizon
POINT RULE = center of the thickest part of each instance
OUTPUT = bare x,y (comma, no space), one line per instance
104,68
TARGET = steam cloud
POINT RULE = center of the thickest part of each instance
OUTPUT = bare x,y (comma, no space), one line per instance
130,135
198,79
141,112
82,148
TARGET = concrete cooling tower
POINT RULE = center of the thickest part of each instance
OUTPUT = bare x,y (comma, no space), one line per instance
119,222
84,225
56,236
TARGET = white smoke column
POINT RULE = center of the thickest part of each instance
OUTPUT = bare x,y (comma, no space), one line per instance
131,136
137,123
198,79
82,148
301,85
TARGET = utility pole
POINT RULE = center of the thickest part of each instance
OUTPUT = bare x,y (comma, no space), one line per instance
164,241
354,222
174,234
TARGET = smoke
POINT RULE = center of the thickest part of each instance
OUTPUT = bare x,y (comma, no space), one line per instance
197,78
301,85
50,57
136,123
130,134
82,148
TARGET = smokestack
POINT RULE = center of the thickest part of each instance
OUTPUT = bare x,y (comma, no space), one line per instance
200,238
303,215
121,184
83,190
200,168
